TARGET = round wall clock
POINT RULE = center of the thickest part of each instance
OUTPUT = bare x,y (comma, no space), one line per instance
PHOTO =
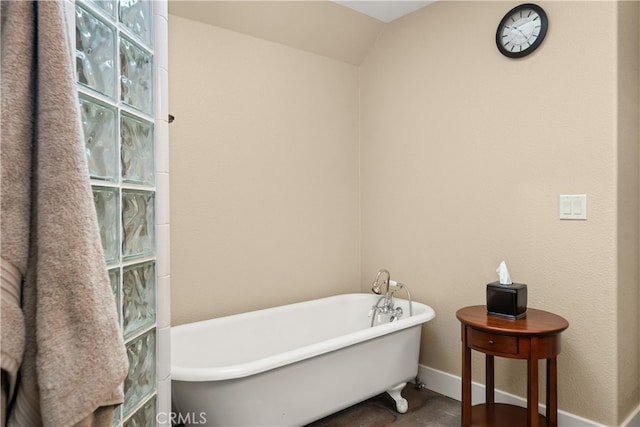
521,30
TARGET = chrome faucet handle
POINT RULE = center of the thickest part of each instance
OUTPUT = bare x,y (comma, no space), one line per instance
396,314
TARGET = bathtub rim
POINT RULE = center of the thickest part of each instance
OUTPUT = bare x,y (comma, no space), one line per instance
241,370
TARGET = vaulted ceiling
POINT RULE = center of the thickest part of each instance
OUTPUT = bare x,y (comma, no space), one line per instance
332,29
385,11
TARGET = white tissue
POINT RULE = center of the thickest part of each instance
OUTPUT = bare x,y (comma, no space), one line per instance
503,272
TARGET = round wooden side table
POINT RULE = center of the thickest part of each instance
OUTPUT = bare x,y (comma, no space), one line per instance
534,337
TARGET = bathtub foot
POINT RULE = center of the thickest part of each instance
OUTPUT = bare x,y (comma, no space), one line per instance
401,403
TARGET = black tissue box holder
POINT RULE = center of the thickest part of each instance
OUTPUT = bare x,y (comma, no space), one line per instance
509,301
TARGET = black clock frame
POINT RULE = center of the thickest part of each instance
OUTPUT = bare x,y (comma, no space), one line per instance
544,21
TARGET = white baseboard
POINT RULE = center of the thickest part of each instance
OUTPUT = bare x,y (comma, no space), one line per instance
633,420
451,386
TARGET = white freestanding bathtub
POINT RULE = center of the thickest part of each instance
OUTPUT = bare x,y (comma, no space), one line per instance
293,364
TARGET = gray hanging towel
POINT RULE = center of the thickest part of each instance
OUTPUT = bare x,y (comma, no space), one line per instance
63,356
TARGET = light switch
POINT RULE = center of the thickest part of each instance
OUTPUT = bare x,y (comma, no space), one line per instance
573,206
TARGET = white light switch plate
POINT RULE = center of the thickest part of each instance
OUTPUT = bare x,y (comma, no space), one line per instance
573,206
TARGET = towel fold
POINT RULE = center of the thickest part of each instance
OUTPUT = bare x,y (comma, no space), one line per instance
12,339
74,360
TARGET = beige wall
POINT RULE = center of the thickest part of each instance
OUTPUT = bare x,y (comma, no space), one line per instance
296,176
464,153
264,149
628,130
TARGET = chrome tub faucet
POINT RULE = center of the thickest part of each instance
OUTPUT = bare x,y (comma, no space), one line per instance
385,304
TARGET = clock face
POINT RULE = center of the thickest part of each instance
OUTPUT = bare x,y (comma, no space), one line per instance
521,30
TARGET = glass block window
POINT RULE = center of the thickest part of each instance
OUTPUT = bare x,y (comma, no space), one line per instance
133,14
107,202
140,418
137,222
135,76
109,7
141,381
95,52
114,68
139,298
114,278
99,126
136,141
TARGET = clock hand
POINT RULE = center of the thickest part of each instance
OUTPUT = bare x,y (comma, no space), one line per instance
517,28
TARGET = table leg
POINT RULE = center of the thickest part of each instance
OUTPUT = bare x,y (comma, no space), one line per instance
466,383
552,392
532,392
489,400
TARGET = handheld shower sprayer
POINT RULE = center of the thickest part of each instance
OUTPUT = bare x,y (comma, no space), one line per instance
376,286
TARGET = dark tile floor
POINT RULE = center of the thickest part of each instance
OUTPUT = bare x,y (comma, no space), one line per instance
426,408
